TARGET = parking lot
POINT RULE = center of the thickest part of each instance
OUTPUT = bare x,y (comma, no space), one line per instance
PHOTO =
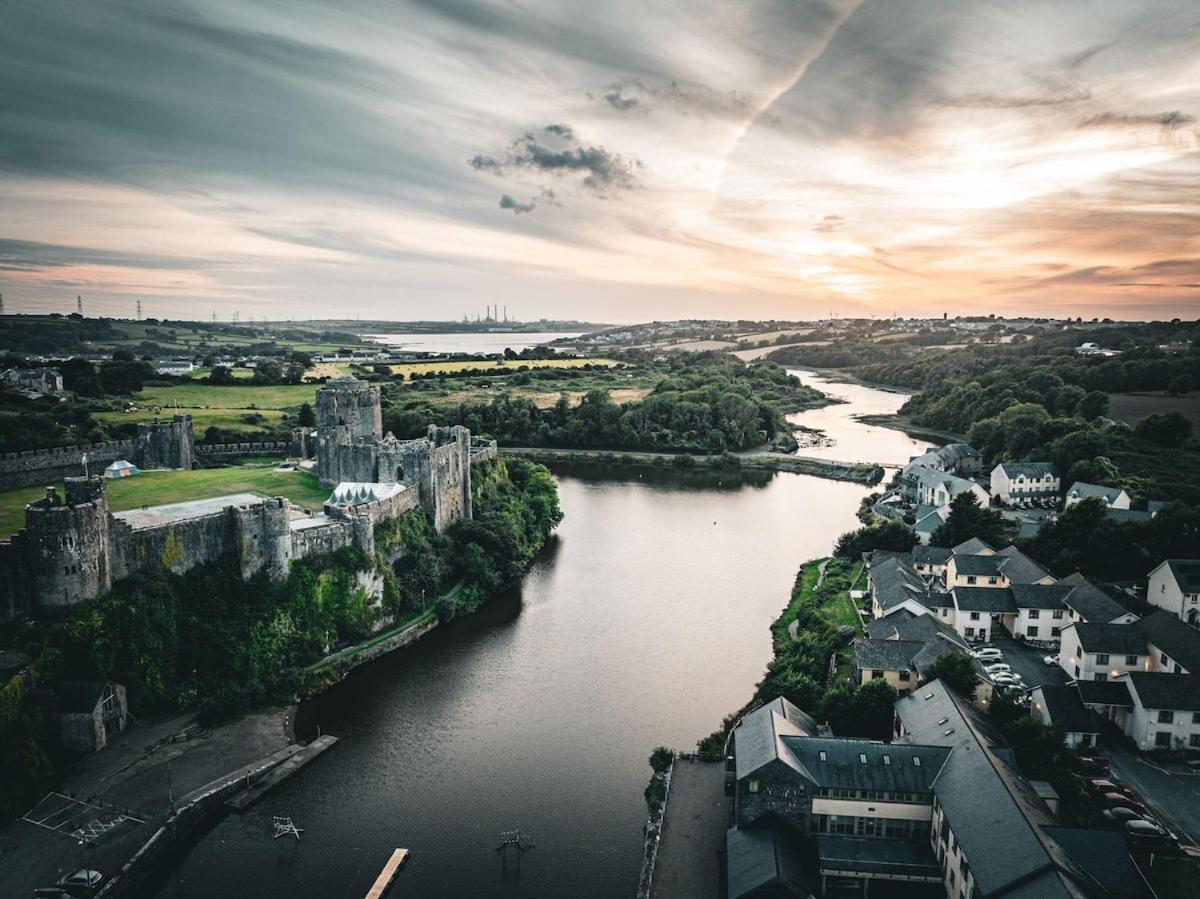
1028,662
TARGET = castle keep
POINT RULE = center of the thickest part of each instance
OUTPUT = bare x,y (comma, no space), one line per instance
73,547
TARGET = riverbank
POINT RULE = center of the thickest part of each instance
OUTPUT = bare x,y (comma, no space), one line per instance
858,472
903,423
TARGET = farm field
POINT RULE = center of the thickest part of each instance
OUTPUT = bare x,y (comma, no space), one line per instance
545,399
210,396
226,419
408,369
155,488
1133,407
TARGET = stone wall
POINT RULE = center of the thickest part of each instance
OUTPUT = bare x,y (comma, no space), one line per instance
52,465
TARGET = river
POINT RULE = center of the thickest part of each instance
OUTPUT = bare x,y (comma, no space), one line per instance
473,342
644,622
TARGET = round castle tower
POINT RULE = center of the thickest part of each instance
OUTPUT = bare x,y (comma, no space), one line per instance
68,543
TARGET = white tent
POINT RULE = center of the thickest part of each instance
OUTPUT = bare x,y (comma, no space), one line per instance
121,469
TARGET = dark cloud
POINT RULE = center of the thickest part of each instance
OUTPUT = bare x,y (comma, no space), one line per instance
1078,59
1161,273
829,224
507,202
555,149
1169,120
1001,101
641,94
32,256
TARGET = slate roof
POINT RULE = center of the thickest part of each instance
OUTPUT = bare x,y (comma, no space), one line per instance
1159,690
1115,639
888,766
912,858
895,580
1187,574
930,555
977,565
1090,602
760,854
993,812
994,600
952,452
886,655
974,546
1019,568
1124,515
904,625
1179,641
1103,856
929,519
1029,469
1041,596
1066,710
1083,490
756,739
930,479
1104,692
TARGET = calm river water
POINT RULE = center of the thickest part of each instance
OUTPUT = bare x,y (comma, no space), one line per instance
644,623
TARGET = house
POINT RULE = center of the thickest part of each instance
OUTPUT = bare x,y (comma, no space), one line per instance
927,520
1175,586
1087,602
993,568
957,459
1160,642
90,714
1014,482
1166,710
1060,706
1113,497
938,489
901,648
35,380
174,366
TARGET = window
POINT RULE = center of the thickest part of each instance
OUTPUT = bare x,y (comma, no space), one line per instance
991,580
1100,677
1162,739
974,616
876,674
823,756
1164,660
1057,614
1131,660
1102,658
887,759
942,721
1031,630
970,578
1195,717
1194,741
753,786
1056,632
1034,614
969,632
905,675
862,758
1166,716
916,761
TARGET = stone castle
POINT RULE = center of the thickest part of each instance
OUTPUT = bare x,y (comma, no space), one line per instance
74,548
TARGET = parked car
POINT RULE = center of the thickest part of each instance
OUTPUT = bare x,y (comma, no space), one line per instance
1098,786
1093,764
997,668
1050,660
81,883
1118,815
988,653
1148,830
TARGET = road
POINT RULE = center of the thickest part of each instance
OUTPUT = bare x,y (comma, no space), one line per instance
1174,796
688,865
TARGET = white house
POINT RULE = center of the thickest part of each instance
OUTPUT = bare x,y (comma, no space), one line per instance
938,488
1016,481
1175,586
1103,651
1166,710
1061,706
1114,497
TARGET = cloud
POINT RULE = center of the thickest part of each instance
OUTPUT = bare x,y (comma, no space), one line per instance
555,149
33,256
829,224
693,98
507,202
1000,101
1169,120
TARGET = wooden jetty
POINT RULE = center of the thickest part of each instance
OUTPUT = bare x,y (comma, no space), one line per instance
281,772
384,880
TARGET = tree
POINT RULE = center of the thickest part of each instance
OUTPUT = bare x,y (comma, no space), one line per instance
307,417
1168,429
661,758
968,519
221,375
80,376
887,535
1094,405
957,671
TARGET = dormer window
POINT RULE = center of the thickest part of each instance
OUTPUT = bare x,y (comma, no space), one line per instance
862,758
823,756
916,761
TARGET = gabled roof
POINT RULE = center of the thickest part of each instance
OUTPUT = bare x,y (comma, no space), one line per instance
1083,490
904,625
1170,635
1104,692
993,600
1066,710
1159,690
1115,639
894,581
757,738
1104,856
761,854
1029,469
974,546
930,555
886,655
994,813
1019,568
839,762
1090,602
1040,596
1186,573
980,566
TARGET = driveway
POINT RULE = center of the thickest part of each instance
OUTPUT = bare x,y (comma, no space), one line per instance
693,835
1174,796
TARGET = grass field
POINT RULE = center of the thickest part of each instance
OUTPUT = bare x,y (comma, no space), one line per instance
545,399
209,396
226,419
155,488
1133,407
408,369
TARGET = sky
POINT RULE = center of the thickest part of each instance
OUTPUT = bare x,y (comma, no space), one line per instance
612,160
